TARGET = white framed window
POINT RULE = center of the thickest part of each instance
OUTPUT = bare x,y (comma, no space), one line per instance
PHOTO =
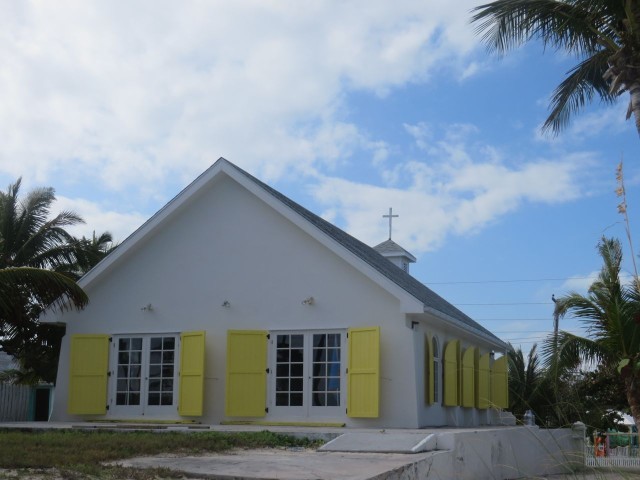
307,373
144,374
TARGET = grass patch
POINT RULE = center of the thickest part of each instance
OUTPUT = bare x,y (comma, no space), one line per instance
79,454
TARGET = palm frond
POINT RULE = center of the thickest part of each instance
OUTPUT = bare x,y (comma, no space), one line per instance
506,24
603,36
46,288
583,82
610,312
571,351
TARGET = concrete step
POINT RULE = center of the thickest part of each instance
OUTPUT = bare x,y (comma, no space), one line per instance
506,418
382,442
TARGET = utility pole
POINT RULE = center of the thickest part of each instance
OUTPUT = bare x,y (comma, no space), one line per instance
554,365
555,319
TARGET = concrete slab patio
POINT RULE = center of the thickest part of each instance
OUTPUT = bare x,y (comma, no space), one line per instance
288,465
467,453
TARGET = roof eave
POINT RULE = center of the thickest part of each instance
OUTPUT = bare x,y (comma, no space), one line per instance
467,328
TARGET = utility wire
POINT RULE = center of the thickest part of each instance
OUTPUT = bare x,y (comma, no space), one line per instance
521,331
591,277
512,303
511,319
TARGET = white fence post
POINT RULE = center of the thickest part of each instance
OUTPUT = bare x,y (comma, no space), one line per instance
614,454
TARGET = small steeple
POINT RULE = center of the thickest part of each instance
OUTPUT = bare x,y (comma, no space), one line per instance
392,251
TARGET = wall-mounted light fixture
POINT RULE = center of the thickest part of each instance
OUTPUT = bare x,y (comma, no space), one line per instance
309,301
226,304
147,308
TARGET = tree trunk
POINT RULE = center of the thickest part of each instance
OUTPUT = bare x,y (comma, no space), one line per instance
632,387
634,105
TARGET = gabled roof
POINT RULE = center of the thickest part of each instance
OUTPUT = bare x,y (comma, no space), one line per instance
389,248
431,300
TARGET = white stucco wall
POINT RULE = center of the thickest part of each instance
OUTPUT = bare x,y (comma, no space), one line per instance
226,244
436,414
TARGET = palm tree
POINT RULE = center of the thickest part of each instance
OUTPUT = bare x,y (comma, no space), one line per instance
36,254
611,313
90,251
44,288
524,380
603,34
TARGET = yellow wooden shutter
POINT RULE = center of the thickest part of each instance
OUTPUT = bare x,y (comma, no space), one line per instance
468,377
89,365
429,380
500,383
483,385
363,374
246,390
451,374
191,394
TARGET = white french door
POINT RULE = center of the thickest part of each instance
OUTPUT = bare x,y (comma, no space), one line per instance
143,375
307,374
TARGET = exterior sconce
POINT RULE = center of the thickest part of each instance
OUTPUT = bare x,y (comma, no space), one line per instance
226,304
309,301
147,308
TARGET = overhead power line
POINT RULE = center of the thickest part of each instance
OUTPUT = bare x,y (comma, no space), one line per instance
512,303
521,331
523,280
512,319
525,339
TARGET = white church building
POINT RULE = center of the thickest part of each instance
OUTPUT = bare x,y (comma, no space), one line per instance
234,304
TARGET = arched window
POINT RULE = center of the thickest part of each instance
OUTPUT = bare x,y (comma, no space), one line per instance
436,369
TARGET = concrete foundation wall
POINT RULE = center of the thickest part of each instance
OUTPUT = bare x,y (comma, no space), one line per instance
509,452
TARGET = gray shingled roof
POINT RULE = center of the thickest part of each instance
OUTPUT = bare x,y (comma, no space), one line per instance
389,246
401,278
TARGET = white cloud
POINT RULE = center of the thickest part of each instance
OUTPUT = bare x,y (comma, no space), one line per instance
421,134
579,283
459,188
595,121
136,94
139,97
470,70
96,217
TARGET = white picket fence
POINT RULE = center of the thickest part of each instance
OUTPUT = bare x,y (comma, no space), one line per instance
618,450
14,402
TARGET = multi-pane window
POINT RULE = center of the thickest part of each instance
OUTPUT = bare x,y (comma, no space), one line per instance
161,370
289,370
325,383
129,371
145,371
308,371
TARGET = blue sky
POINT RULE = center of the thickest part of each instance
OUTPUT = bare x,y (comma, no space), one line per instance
349,108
